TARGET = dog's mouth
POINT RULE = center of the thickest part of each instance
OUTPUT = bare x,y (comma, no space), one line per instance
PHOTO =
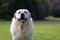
22,20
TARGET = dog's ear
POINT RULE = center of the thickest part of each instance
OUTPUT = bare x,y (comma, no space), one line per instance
15,15
29,14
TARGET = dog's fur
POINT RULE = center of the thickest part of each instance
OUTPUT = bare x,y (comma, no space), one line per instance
19,30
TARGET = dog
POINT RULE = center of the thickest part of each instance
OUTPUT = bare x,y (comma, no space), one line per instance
22,26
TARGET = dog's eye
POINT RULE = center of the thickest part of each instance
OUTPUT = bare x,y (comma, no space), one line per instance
25,12
18,12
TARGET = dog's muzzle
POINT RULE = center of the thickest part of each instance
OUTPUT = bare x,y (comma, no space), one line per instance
22,19
22,16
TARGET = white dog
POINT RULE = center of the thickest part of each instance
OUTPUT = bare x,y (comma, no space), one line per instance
22,25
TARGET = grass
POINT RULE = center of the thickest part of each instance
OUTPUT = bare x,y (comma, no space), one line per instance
4,30
41,31
52,18
47,32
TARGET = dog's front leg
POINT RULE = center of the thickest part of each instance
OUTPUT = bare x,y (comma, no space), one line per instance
13,38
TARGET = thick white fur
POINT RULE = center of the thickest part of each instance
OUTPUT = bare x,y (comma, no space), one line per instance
22,34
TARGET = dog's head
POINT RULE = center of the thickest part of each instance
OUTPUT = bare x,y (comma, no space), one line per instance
22,15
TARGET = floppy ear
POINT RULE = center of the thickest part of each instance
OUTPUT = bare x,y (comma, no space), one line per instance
29,14
15,15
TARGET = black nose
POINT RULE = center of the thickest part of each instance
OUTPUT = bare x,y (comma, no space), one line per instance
22,16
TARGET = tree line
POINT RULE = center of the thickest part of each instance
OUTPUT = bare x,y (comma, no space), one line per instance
38,8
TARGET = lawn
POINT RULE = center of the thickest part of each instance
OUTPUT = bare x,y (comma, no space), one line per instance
41,31
52,18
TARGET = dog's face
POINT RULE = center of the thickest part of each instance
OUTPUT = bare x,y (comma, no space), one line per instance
22,15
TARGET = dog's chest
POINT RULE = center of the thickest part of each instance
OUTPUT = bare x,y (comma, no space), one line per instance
22,28
22,32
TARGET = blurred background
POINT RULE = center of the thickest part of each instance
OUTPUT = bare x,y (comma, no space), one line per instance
40,9
45,13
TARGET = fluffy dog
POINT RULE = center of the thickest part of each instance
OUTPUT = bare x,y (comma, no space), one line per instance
22,25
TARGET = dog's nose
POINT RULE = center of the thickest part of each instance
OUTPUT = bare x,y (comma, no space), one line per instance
22,16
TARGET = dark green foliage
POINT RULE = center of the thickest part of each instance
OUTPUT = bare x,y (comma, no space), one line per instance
56,8
38,8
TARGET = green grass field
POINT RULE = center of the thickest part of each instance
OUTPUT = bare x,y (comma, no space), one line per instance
52,19
41,31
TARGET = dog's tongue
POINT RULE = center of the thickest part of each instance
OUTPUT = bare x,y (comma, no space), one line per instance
22,18
22,21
